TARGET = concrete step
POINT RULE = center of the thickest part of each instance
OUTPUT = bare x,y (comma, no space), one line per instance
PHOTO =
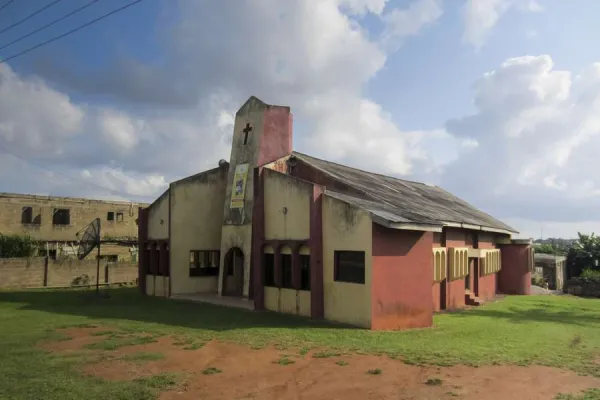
472,300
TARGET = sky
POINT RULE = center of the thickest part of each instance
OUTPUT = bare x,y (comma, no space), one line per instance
496,101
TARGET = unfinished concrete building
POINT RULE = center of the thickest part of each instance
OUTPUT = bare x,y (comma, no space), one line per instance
54,223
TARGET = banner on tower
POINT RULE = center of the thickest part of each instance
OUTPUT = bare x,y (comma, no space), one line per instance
238,191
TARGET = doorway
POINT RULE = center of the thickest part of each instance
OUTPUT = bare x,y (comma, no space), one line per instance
443,290
233,273
476,276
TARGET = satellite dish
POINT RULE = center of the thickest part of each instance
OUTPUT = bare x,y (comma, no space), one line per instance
88,242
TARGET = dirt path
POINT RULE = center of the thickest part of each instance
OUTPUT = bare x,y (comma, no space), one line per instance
259,374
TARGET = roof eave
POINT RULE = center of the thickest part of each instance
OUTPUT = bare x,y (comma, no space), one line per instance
478,228
405,226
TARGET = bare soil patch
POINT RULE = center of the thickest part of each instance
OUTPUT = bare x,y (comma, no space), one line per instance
230,371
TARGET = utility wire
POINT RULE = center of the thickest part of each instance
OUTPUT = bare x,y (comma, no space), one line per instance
49,24
29,16
69,32
112,191
6,4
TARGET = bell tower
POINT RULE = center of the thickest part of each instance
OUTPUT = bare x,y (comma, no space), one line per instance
262,133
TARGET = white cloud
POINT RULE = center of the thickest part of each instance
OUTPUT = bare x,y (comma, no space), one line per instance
482,15
310,55
120,130
34,118
538,131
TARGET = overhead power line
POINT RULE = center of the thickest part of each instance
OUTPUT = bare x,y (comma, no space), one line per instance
29,16
81,181
69,32
49,24
6,4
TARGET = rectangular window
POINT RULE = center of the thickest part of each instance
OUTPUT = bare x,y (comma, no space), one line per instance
269,266
110,216
286,271
61,216
119,217
304,272
349,266
27,215
204,262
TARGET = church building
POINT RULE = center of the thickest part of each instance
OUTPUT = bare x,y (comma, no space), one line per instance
278,230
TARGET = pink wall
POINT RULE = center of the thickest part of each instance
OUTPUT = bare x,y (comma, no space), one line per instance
276,140
514,277
402,272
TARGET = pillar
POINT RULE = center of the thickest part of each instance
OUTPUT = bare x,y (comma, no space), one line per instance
315,242
515,275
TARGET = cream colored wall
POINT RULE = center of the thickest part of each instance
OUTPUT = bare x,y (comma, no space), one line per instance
287,301
346,228
157,286
158,218
287,206
196,219
236,236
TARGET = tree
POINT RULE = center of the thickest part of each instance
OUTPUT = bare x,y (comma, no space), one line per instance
547,248
583,254
17,246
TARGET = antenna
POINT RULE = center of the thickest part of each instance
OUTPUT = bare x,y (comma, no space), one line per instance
90,240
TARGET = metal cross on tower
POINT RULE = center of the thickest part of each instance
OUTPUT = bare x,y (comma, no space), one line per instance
246,131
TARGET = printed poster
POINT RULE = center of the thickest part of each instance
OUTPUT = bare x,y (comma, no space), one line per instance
239,186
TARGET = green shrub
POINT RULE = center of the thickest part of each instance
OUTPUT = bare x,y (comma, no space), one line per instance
17,246
591,274
537,280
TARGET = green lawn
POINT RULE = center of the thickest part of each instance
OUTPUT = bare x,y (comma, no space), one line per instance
554,331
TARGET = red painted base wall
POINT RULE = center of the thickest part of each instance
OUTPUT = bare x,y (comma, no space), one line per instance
514,277
402,272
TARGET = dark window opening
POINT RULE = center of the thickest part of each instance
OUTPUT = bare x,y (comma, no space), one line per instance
269,267
286,271
204,262
349,266
230,268
120,216
27,215
61,216
443,238
110,216
304,272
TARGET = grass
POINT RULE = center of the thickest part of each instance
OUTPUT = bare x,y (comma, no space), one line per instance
143,356
284,360
558,331
433,382
326,354
590,394
211,371
160,381
341,363
375,371
114,343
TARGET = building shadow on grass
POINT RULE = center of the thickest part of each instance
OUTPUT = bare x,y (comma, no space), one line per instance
538,313
129,304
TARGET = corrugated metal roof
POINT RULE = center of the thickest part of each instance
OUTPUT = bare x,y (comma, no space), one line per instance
403,201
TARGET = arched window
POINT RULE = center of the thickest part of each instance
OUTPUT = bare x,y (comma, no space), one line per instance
286,268
304,268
